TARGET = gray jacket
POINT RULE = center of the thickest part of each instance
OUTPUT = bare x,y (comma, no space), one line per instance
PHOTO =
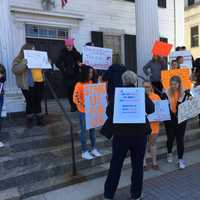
154,68
21,73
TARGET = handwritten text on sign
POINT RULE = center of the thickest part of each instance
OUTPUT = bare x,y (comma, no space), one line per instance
95,104
37,59
99,58
161,113
129,106
188,109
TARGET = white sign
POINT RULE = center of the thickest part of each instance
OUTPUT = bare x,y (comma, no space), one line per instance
129,106
161,113
195,91
189,109
37,59
186,55
99,58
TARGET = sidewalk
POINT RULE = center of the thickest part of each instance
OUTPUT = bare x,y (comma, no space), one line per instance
166,184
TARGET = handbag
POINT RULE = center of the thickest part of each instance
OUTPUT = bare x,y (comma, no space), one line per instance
107,129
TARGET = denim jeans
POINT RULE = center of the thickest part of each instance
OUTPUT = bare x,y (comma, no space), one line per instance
83,135
1,106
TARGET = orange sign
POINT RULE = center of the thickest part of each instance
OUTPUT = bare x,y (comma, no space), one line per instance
183,73
161,49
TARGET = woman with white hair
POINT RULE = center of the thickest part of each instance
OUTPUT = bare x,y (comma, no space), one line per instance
128,137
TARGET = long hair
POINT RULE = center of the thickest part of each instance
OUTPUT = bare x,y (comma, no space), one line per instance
84,75
27,46
175,79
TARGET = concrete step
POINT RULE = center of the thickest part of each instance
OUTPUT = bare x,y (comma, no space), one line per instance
46,156
51,166
56,182
10,194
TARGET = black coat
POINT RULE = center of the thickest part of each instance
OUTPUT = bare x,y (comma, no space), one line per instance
67,62
131,129
114,78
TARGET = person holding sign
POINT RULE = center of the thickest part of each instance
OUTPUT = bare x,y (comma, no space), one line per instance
31,83
69,62
175,95
155,128
127,137
153,70
87,77
2,81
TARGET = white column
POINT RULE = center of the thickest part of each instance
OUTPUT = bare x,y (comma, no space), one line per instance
147,30
6,44
179,10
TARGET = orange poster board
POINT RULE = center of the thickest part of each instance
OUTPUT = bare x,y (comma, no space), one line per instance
184,74
161,49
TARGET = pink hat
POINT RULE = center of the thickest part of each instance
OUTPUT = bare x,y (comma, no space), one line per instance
69,42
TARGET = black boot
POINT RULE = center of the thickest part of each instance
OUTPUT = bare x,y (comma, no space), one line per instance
29,122
40,120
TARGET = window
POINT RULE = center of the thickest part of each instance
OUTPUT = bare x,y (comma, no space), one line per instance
195,36
45,32
191,2
162,3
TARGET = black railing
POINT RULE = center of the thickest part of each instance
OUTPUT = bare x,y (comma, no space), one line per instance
48,84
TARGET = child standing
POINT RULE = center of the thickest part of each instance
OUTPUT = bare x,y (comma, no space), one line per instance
2,81
155,127
87,77
176,95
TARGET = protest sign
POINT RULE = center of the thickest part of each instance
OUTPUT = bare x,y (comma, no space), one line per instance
187,56
99,58
95,104
37,59
195,91
161,49
161,113
184,74
129,106
189,109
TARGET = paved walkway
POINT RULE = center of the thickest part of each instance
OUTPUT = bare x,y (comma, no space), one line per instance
166,184
177,185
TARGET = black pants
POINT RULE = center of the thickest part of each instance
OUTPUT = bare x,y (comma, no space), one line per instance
33,97
175,131
120,147
158,87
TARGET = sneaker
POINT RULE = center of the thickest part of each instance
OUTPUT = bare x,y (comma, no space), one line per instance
181,164
95,153
170,158
1,144
87,156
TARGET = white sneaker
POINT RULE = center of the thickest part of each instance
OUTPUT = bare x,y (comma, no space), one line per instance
1,144
169,158
181,164
95,153
87,156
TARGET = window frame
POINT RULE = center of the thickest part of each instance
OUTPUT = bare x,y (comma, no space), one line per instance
193,35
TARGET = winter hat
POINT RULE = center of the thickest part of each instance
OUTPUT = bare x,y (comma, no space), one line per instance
69,42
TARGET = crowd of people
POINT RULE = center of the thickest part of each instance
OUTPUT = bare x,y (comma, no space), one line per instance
136,138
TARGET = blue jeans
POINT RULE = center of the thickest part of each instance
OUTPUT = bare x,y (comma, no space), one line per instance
83,135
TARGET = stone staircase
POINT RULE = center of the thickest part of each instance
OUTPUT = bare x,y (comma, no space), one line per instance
39,160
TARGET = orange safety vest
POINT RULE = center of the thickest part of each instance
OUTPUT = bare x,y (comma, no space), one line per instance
155,126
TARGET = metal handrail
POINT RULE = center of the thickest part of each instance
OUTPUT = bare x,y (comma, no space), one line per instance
47,82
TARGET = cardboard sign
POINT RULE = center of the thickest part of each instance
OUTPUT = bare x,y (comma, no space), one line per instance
187,56
95,105
162,112
195,91
37,59
99,58
184,74
189,109
161,49
129,106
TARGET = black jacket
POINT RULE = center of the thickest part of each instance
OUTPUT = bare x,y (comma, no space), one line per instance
114,78
3,78
131,129
67,62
